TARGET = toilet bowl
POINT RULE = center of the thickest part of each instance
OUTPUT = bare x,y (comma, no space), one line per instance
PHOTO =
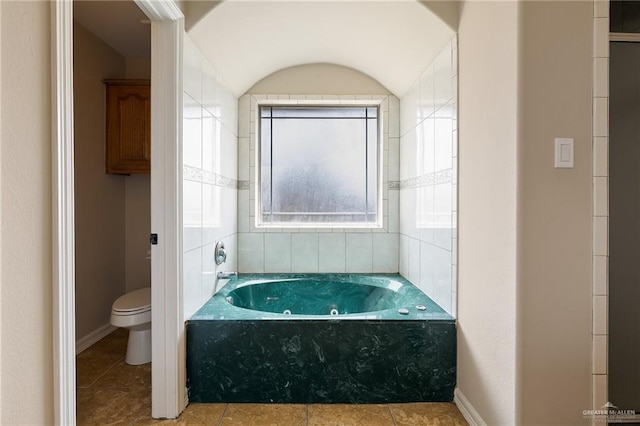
133,311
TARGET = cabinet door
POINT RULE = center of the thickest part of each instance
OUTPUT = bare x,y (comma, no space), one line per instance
128,128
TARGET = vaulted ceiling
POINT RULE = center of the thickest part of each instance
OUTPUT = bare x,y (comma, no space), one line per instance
391,41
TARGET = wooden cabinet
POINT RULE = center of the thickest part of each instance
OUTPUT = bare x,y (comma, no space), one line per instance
128,121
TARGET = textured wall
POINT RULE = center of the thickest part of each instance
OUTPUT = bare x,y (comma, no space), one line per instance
99,197
524,302
137,206
488,88
554,213
26,366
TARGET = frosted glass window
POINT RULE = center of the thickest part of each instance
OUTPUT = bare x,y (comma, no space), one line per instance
319,165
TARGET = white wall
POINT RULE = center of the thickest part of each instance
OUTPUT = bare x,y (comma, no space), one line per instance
26,366
488,89
428,195
316,249
209,157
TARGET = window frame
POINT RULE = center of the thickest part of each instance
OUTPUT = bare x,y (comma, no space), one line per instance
371,103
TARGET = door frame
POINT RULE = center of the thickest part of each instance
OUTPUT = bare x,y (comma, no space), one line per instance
168,346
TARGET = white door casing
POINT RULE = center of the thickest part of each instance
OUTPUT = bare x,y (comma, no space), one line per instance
168,345
63,241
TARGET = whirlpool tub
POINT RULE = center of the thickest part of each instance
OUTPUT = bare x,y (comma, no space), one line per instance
320,338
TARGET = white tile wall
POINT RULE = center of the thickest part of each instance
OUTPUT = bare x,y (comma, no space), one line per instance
601,77
428,168
304,250
601,156
331,252
192,285
404,255
359,252
251,252
414,261
385,253
191,215
278,258
427,259
601,37
599,354
599,391
318,250
600,194
600,323
600,275
601,117
600,236
209,148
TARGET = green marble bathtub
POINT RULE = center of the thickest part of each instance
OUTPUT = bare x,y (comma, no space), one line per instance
321,338
306,296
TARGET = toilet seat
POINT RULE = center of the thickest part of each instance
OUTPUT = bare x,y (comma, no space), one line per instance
136,302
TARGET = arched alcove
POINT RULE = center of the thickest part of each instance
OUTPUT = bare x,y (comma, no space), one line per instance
327,79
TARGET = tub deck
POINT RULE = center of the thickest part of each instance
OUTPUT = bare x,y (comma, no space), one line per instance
241,355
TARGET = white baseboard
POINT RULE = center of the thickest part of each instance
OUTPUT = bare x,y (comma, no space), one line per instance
468,412
93,337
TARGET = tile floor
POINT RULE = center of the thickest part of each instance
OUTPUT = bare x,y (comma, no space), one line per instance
111,392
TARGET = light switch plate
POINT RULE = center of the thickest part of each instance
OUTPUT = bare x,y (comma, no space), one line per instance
564,153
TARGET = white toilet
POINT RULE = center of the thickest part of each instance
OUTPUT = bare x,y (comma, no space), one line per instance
133,311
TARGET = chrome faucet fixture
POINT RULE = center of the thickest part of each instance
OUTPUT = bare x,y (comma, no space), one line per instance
220,254
224,274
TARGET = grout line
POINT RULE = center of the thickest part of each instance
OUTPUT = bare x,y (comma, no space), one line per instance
391,413
90,385
222,415
307,423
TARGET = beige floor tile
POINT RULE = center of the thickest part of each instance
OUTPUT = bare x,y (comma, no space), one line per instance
124,375
427,414
265,415
202,414
109,407
350,415
193,415
115,345
99,358
146,420
90,368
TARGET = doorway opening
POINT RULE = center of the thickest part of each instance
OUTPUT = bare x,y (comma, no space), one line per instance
167,28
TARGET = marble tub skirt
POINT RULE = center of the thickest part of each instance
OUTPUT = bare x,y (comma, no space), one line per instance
241,355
